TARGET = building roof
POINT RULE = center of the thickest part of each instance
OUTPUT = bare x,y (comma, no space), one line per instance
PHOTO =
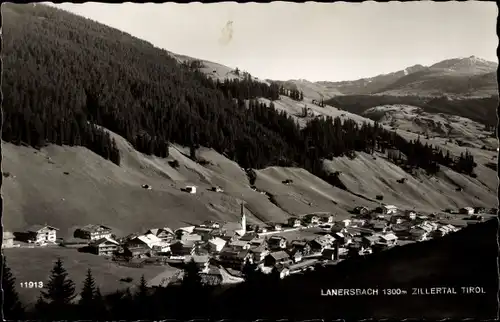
258,249
188,229
239,243
372,238
153,238
329,251
217,241
37,228
93,228
389,237
105,239
279,255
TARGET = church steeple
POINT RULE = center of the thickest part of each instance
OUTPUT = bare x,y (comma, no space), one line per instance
243,218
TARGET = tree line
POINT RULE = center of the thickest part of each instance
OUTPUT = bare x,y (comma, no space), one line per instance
294,94
60,300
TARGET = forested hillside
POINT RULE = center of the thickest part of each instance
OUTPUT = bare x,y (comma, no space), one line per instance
64,74
482,110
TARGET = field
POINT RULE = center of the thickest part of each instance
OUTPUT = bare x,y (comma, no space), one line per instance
35,264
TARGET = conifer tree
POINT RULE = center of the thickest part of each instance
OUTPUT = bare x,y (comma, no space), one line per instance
12,307
60,292
86,302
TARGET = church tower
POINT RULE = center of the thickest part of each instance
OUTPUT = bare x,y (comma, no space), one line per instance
243,219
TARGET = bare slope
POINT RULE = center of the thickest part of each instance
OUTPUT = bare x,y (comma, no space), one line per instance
97,191
372,175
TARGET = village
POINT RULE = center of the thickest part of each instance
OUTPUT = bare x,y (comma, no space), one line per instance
221,250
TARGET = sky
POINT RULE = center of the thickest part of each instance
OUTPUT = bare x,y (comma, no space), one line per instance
313,41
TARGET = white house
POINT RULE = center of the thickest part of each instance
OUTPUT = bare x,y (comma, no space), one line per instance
93,232
216,244
467,210
191,189
346,222
390,209
389,239
42,234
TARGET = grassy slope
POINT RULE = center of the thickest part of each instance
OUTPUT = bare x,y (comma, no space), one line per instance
40,262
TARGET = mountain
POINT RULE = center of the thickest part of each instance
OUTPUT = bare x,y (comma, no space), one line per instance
458,77
91,114
370,85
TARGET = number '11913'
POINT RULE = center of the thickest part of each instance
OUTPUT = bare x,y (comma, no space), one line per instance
31,284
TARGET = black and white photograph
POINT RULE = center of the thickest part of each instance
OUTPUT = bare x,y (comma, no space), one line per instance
249,161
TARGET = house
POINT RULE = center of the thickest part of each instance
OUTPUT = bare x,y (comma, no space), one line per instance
216,244
249,236
165,234
259,253
239,244
235,259
93,232
358,222
276,242
8,239
258,242
182,248
217,189
412,215
331,254
387,210
418,234
295,254
311,219
140,251
279,257
191,237
396,220
276,227
144,241
369,241
294,222
388,239
104,246
210,224
378,225
338,227
301,245
343,238
321,242
202,262
184,230
467,210
451,228
283,271
346,222
360,210
190,189
440,232
41,234
204,232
